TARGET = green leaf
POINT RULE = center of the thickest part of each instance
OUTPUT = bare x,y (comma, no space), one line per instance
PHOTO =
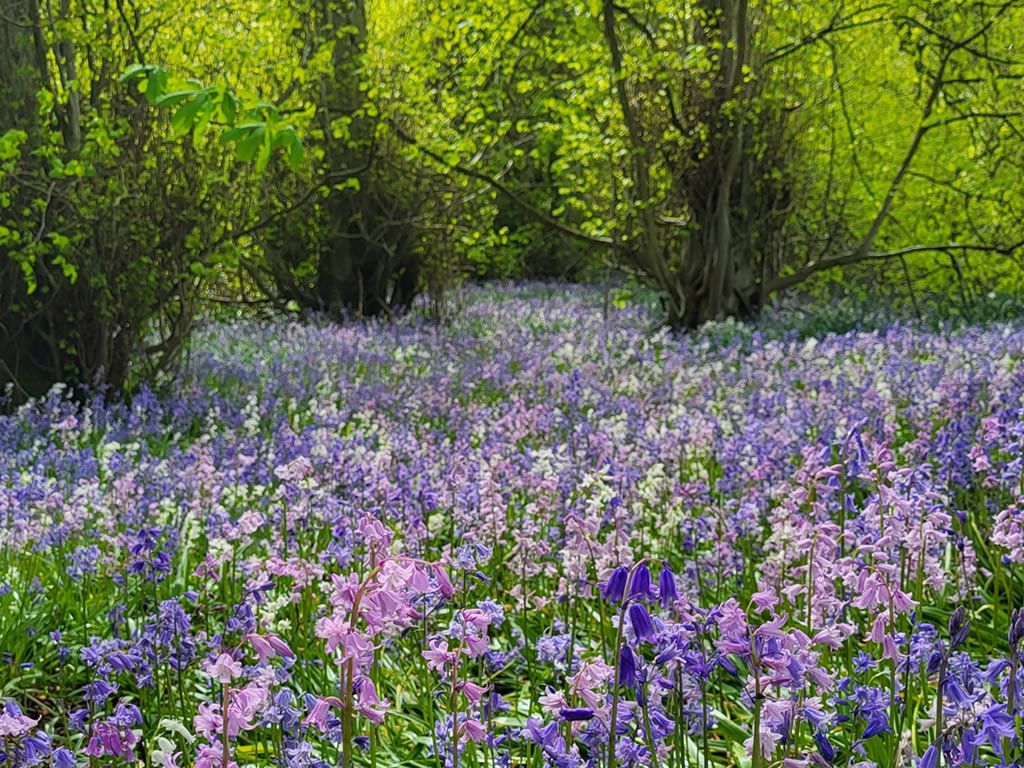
156,82
186,116
241,131
10,143
30,276
175,97
263,157
69,270
263,108
295,153
228,107
286,139
134,72
248,146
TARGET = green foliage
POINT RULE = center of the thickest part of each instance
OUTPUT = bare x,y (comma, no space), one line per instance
824,125
338,155
255,130
110,231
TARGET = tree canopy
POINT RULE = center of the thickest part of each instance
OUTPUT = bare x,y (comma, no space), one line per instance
345,156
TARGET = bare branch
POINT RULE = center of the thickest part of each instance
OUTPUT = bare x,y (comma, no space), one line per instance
505,189
837,24
857,256
272,217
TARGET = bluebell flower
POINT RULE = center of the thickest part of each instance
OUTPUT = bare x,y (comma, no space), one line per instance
492,609
725,663
667,591
815,717
575,714
552,649
99,691
643,626
878,724
627,666
969,741
1016,631
825,748
959,627
77,720
640,584
863,662
997,724
614,589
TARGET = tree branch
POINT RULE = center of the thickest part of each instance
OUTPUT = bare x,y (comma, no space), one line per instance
541,216
273,216
837,24
857,256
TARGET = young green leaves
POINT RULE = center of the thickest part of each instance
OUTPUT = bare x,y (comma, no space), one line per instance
255,130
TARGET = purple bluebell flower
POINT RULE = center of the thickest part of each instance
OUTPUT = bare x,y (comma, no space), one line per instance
640,619
614,589
627,666
825,748
1016,631
640,584
998,724
877,724
78,719
959,627
552,649
99,691
575,714
667,591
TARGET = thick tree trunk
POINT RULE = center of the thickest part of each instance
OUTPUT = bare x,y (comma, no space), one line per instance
728,190
368,265
339,284
736,291
29,356
720,261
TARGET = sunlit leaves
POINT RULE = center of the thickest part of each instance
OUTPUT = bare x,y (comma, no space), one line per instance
11,142
255,130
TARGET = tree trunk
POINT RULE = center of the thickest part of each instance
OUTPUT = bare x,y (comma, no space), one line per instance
29,357
728,190
735,291
368,265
